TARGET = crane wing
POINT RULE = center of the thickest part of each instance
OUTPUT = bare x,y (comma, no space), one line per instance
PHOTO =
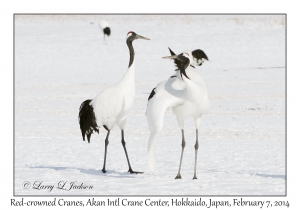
166,94
111,104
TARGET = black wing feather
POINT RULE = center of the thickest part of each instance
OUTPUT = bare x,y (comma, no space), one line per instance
106,31
151,94
185,62
87,120
177,62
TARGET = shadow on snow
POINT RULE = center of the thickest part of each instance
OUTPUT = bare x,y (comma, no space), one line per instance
109,173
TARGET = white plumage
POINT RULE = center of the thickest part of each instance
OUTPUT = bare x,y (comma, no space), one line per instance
103,24
111,106
188,97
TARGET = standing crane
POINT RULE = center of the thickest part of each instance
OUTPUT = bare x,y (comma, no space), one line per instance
111,106
106,29
186,93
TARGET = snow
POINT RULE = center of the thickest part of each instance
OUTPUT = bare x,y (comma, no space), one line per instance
60,61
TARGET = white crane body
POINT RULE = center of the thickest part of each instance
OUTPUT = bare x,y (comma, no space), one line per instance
111,106
187,96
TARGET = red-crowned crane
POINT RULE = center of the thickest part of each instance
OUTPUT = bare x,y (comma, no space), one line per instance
111,106
106,29
186,93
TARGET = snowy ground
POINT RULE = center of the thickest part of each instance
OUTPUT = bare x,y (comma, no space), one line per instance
61,61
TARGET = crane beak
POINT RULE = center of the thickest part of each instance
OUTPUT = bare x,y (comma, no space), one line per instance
170,57
141,37
177,57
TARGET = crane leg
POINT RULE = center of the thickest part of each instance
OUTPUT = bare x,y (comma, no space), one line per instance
104,41
196,151
124,146
182,145
106,143
197,125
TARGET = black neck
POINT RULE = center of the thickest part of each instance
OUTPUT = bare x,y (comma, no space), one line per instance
131,51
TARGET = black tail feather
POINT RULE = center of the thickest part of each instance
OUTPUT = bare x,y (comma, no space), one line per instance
89,136
87,120
106,31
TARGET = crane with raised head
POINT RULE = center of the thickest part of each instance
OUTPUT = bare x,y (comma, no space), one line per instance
186,93
111,106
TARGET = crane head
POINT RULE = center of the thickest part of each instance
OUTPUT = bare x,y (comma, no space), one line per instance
184,61
133,36
198,57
